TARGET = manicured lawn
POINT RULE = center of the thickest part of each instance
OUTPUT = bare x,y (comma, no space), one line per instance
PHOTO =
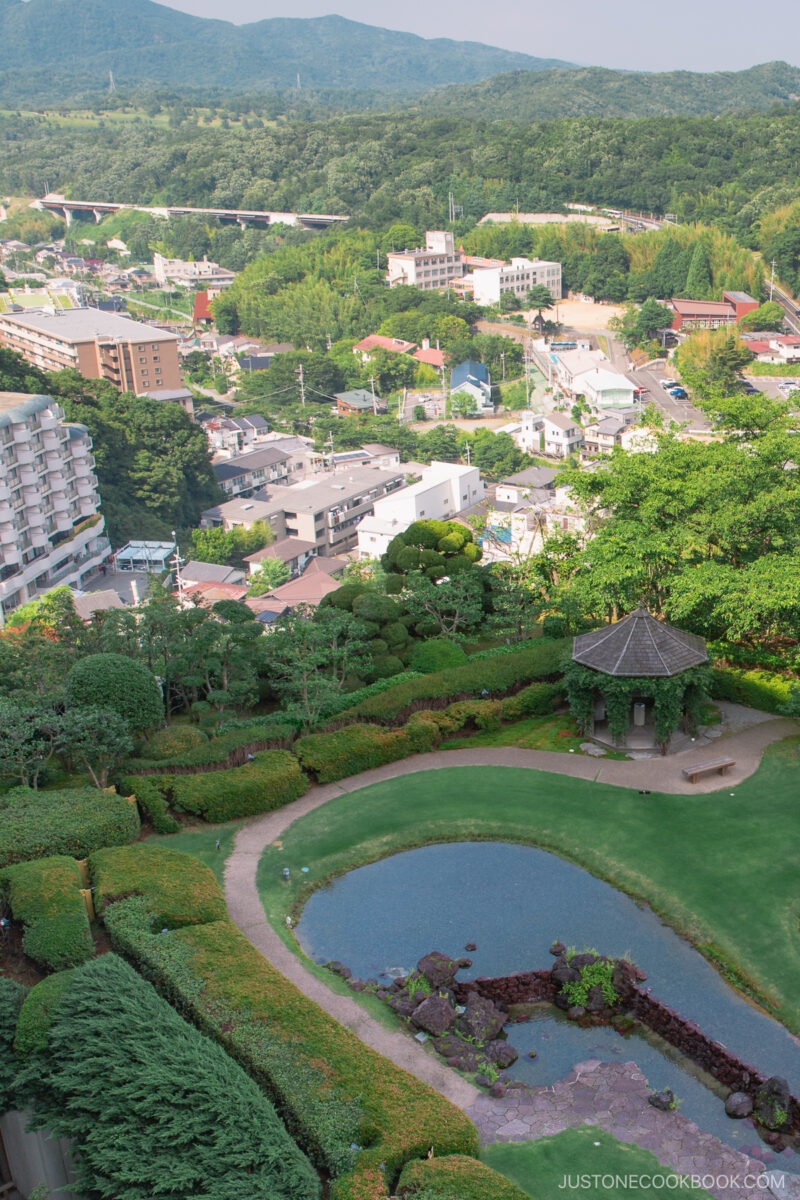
544,1167
721,868
201,842
552,732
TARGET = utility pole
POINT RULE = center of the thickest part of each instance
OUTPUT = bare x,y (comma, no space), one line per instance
469,463
772,280
374,397
503,361
177,562
302,385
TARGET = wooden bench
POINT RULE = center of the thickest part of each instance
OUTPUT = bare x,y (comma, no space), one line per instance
719,764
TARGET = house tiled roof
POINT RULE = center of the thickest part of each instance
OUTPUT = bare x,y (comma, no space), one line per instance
469,369
376,341
639,645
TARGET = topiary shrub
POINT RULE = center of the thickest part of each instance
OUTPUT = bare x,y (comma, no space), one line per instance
536,700
173,742
395,633
181,889
455,1177
152,804
74,821
117,682
45,896
476,714
385,665
39,1010
359,748
370,606
272,779
437,654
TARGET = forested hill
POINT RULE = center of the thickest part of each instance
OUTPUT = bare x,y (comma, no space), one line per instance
595,91
143,42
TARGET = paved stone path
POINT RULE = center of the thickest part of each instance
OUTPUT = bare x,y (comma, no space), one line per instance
613,1096
660,774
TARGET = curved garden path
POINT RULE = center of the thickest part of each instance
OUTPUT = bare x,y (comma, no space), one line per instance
657,774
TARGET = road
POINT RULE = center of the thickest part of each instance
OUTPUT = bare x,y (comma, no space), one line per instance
651,378
787,303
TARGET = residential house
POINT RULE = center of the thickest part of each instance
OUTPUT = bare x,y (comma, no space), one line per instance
366,348
371,454
604,389
517,488
562,435
443,491
188,274
529,435
774,348
202,572
472,378
306,591
291,550
600,437
234,435
359,400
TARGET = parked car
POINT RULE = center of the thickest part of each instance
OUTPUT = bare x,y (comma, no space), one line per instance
668,384
679,393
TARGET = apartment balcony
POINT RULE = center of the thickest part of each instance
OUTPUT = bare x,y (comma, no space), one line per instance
21,435
87,487
40,539
24,456
29,477
61,502
36,518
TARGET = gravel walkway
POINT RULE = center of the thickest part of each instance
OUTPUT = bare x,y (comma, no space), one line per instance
746,745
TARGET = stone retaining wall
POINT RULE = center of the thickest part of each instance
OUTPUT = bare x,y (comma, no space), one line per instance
527,987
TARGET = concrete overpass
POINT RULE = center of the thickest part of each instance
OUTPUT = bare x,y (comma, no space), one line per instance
56,203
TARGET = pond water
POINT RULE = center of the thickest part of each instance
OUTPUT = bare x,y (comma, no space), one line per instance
513,902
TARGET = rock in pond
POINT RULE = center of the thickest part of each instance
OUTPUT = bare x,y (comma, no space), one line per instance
502,1053
439,969
773,1103
435,1015
482,1019
739,1105
664,1101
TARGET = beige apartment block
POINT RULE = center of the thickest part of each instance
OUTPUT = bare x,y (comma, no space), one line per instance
133,356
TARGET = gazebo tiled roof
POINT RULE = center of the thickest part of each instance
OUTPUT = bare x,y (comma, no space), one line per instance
639,645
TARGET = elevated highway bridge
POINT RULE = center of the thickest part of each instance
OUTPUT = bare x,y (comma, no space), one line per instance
56,203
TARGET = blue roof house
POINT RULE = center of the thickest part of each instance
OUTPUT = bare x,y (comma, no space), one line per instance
472,378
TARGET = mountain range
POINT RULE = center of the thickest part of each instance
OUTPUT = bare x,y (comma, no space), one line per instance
143,42
55,51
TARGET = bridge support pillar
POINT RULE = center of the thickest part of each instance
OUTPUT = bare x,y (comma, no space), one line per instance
68,216
98,215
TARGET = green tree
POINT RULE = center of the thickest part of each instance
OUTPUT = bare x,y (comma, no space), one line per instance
769,315
271,574
28,734
119,683
540,298
453,607
698,281
97,738
309,656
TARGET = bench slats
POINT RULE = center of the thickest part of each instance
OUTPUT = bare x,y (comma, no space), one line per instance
719,764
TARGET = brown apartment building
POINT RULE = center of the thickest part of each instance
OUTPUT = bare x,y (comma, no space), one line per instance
101,345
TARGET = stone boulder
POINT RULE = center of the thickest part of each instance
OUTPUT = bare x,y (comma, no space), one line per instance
502,1053
439,969
773,1103
664,1101
563,973
739,1105
578,961
435,1015
403,1006
595,1001
482,1020
339,969
575,1012
558,949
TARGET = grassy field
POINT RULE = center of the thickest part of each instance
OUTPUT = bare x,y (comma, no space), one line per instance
541,1167
557,732
201,841
720,868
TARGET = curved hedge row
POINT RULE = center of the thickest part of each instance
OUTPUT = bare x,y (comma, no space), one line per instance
224,749
35,824
270,781
333,1091
455,1178
358,748
180,889
493,675
45,895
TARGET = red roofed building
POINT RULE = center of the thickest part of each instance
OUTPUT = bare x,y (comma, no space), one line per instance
202,314
433,356
376,341
711,314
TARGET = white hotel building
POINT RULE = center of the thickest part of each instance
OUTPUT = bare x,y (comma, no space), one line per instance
51,528
518,276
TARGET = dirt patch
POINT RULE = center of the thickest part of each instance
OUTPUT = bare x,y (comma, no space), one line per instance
583,315
14,962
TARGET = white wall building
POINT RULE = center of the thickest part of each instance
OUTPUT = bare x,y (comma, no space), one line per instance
444,490
51,529
188,274
429,268
604,389
518,276
562,435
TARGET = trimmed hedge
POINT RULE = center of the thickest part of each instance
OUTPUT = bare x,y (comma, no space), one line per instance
173,742
156,1109
455,1178
152,804
45,896
358,748
73,821
536,700
180,889
333,1090
218,750
437,654
270,781
117,682
496,675
756,689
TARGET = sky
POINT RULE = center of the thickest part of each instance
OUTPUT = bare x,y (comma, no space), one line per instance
632,34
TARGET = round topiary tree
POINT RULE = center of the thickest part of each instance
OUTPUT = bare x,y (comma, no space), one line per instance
437,654
117,682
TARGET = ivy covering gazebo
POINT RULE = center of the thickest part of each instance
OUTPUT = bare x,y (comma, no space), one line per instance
636,677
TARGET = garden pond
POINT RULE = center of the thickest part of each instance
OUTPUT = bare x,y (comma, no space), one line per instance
513,902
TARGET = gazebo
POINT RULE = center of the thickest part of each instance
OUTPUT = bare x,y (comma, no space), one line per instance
633,683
